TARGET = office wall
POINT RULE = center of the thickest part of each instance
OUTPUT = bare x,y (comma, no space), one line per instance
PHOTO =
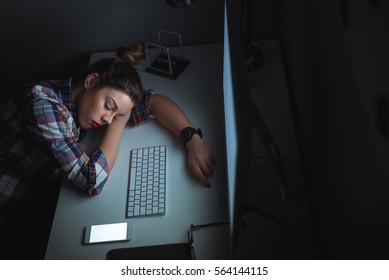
338,69
44,39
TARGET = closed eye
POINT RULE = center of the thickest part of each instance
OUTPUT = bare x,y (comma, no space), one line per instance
118,116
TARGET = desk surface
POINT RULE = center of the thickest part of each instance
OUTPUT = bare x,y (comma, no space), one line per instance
199,92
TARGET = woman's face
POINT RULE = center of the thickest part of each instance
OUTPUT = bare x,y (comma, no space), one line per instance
98,107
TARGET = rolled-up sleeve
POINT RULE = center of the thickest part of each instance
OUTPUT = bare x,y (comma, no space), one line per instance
86,171
51,127
141,113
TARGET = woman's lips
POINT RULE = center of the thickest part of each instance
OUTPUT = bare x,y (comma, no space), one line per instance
95,124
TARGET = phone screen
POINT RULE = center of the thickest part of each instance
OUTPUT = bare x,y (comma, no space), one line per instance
107,232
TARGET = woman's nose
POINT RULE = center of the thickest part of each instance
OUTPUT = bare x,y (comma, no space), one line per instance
107,118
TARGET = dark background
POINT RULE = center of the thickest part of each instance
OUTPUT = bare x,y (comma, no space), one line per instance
336,62
338,67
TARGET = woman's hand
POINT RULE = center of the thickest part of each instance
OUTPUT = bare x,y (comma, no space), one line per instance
201,159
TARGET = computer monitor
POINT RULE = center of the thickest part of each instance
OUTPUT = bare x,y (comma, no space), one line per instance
237,106
241,119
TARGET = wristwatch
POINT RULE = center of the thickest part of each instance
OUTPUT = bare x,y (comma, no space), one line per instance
187,133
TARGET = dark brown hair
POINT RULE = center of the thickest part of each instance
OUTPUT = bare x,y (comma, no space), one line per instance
119,73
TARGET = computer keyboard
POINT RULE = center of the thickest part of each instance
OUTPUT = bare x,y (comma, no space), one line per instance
147,183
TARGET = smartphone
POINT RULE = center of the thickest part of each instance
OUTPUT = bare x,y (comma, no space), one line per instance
108,233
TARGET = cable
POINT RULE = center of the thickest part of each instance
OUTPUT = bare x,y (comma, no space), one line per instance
250,209
196,227
269,49
294,164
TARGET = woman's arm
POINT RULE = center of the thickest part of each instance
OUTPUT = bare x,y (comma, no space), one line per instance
201,159
111,139
47,124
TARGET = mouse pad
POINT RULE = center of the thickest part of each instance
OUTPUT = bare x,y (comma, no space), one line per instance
178,251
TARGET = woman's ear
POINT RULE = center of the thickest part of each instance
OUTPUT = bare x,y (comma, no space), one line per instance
91,80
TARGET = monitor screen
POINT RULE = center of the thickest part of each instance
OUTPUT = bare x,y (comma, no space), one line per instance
237,107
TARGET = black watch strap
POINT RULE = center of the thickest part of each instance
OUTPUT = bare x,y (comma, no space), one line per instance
187,133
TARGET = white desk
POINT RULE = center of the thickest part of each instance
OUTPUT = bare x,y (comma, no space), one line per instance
199,92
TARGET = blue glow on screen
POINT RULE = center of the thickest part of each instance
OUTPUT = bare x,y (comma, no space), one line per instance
229,115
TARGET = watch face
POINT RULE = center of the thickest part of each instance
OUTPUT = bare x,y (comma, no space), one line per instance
187,133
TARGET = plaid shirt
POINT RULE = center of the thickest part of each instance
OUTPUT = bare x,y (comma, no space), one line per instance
39,136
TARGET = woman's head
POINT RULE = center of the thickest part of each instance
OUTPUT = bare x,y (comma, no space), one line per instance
109,88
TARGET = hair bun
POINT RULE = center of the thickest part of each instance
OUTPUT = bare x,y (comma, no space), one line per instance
131,54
